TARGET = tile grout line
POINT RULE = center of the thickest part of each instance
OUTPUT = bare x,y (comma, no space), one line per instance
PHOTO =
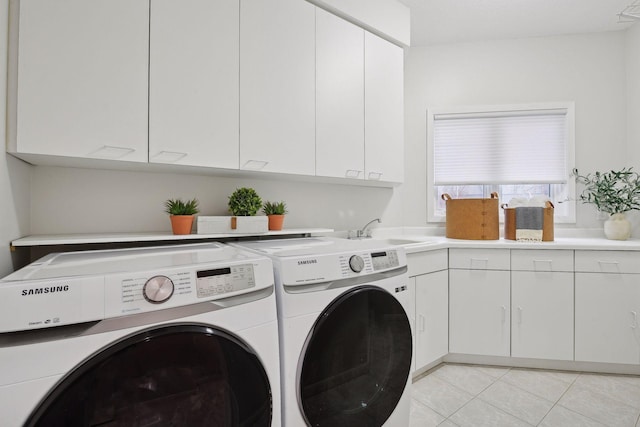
557,402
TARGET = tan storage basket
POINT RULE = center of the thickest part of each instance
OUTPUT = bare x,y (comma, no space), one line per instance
510,222
472,219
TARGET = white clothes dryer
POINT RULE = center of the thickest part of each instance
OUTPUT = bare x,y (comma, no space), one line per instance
162,336
345,336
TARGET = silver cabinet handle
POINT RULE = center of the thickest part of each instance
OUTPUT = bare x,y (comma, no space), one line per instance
374,176
255,165
540,261
609,266
169,156
352,173
519,315
477,261
504,314
111,152
634,320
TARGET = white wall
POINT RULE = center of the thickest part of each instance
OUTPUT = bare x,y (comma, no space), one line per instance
633,108
14,174
587,69
68,200
633,93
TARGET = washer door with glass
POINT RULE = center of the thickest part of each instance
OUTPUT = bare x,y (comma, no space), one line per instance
356,360
178,375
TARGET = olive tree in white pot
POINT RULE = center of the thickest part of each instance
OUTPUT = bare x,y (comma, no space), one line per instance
615,193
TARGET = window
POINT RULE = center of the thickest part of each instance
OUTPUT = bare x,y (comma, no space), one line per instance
516,151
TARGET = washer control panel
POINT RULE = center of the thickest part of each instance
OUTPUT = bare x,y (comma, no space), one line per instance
143,292
222,280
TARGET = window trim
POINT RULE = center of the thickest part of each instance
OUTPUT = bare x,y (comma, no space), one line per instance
570,218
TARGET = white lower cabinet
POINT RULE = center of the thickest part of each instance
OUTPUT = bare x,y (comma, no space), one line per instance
542,304
431,317
542,315
607,307
479,301
479,312
429,288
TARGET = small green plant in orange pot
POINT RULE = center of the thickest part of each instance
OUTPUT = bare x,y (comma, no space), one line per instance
181,214
275,211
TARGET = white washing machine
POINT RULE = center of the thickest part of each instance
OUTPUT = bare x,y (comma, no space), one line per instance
344,332
162,336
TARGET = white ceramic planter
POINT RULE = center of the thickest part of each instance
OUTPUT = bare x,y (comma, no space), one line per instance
617,227
225,224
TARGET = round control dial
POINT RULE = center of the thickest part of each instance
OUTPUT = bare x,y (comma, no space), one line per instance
158,289
356,263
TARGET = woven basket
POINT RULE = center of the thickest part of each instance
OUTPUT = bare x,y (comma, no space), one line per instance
510,222
472,219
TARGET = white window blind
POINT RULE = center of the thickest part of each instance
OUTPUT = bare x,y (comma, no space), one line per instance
511,147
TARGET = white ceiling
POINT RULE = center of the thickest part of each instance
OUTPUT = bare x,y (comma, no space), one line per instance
449,21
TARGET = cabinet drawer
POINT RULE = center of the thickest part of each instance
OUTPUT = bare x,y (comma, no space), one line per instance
427,262
608,261
541,260
479,259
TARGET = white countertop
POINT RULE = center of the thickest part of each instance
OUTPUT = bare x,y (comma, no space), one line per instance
414,241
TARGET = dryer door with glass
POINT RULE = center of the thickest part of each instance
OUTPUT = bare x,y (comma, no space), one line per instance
180,374
356,360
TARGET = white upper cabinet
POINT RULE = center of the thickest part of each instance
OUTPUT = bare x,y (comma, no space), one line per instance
384,110
193,83
78,87
339,97
277,86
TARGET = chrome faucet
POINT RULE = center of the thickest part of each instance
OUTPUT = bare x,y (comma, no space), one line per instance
364,232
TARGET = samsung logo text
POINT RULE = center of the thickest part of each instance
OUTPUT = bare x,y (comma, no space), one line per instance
45,290
308,261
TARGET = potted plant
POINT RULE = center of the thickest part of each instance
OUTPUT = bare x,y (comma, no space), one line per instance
275,211
244,203
615,193
181,214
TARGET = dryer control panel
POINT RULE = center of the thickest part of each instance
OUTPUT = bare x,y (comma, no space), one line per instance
384,260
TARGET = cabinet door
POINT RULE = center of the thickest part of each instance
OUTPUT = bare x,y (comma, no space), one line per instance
411,314
607,307
277,86
384,110
479,315
82,78
432,317
542,315
339,97
193,83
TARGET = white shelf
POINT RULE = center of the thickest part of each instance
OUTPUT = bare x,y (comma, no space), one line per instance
78,239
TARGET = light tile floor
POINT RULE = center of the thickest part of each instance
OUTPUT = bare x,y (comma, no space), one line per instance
470,395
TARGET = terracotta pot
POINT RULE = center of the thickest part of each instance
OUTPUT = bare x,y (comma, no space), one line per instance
181,224
275,222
